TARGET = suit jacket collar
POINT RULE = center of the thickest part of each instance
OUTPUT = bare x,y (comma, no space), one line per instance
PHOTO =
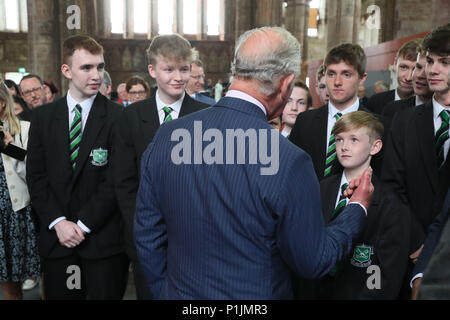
61,132
242,106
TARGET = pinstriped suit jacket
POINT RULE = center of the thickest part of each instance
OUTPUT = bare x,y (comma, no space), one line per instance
225,231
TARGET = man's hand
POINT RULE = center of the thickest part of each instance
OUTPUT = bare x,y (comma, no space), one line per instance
361,189
415,256
415,288
69,234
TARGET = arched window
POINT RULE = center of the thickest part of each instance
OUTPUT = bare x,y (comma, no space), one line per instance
13,16
196,19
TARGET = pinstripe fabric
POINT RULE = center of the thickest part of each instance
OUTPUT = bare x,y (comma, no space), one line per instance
225,231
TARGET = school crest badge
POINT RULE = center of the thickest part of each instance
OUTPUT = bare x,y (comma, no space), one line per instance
362,256
99,157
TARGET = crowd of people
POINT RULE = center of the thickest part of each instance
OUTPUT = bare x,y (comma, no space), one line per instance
102,180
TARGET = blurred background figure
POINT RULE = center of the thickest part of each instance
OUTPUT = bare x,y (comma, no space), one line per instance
362,95
13,88
122,94
321,88
298,102
106,87
277,124
51,91
137,89
380,86
218,90
20,109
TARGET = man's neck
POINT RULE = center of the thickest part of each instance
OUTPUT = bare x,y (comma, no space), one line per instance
353,173
424,98
441,98
345,105
404,95
78,96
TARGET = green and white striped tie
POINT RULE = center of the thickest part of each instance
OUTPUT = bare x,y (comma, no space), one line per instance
75,136
331,151
167,114
342,202
442,136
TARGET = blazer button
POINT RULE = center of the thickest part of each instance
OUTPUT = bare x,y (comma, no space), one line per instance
15,200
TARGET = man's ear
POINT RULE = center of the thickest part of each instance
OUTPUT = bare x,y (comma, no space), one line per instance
376,147
285,86
363,78
65,69
151,71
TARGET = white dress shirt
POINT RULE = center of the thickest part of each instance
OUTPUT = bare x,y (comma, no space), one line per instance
176,107
437,108
242,95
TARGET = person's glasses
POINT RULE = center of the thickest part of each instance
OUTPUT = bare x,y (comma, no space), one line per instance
137,93
29,92
201,76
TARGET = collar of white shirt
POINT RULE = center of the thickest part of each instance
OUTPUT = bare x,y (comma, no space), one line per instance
397,97
86,105
176,106
437,109
242,95
332,110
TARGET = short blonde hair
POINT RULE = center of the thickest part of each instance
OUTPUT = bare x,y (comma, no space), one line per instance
173,47
360,119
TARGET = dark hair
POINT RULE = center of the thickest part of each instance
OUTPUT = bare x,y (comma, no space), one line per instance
53,88
30,76
302,85
438,41
10,84
135,80
351,54
320,73
20,101
409,50
80,42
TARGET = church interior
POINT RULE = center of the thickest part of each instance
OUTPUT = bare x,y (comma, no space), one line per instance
32,32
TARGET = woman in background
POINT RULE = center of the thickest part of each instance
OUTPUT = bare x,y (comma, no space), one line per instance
19,258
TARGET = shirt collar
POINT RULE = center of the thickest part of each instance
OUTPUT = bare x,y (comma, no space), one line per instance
332,110
343,181
176,106
437,108
397,97
242,95
85,105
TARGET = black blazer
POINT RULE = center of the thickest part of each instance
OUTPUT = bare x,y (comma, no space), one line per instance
393,107
310,134
410,168
386,232
86,194
135,131
377,102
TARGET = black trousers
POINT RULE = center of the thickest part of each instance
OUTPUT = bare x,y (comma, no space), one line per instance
76,278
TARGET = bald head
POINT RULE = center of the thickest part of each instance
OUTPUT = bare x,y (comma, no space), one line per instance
266,55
